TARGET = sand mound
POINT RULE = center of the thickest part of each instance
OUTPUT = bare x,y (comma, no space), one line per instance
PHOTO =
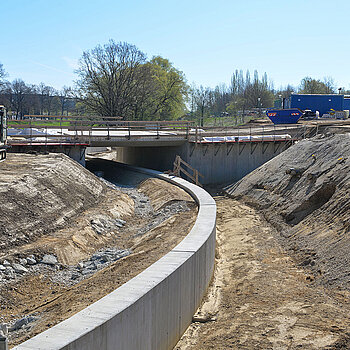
305,193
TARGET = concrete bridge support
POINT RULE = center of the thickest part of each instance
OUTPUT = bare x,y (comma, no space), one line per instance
218,162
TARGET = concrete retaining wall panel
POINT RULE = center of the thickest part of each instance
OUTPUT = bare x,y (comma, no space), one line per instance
152,310
218,162
221,163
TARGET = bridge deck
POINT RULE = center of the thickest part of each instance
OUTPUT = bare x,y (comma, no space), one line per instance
113,132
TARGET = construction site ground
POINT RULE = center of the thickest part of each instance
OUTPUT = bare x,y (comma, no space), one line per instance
282,277
282,271
259,297
151,220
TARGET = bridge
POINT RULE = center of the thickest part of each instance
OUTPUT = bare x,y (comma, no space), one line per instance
221,154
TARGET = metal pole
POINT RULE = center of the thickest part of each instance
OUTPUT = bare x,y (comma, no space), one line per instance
31,130
263,133
3,343
61,131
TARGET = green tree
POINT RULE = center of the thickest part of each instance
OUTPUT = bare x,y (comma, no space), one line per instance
116,80
313,86
164,90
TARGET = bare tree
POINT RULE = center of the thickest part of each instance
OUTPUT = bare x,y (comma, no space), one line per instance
64,95
50,95
309,85
18,92
41,92
202,98
3,75
330,87
107,78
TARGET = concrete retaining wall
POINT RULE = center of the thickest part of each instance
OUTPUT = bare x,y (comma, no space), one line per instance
153,309
218,162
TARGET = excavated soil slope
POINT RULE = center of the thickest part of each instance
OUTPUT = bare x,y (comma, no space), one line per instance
40,193
98,234
259,298
305,193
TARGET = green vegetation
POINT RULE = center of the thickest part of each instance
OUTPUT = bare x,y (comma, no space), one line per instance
228,121
117,80
13,123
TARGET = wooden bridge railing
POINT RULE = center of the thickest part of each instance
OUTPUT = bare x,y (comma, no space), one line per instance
178,169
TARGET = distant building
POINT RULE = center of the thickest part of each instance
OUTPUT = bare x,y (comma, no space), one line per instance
321,103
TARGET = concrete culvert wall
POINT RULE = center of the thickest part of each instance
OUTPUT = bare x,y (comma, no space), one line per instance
152,310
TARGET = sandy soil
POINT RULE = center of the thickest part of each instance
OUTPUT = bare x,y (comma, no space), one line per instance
260,298
308,206
54,302
157,215
39,194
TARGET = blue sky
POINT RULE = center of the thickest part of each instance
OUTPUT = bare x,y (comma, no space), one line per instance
207,40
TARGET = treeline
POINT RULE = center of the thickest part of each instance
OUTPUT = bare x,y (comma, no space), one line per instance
113,80
117,79
21,99
245,92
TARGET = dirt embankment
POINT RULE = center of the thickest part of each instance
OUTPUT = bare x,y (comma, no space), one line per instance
97,234
282,276
259,297
305,193
40,194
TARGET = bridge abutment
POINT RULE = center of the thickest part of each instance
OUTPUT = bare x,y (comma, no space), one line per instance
218,162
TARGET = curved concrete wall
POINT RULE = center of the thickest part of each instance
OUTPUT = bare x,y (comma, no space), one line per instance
153,309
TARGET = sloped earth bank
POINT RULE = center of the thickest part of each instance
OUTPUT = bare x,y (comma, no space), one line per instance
260,298
305,194
282,278
69,238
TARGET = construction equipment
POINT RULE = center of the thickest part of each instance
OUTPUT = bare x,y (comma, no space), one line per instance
3,133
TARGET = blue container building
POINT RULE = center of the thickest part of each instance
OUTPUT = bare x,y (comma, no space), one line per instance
321,103
346,103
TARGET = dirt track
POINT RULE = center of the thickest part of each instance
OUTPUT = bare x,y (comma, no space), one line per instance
260,298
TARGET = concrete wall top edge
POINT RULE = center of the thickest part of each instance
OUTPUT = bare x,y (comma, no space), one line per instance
100,312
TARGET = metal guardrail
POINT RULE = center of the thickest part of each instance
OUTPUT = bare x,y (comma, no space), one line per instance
73,130
266,132
82,130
